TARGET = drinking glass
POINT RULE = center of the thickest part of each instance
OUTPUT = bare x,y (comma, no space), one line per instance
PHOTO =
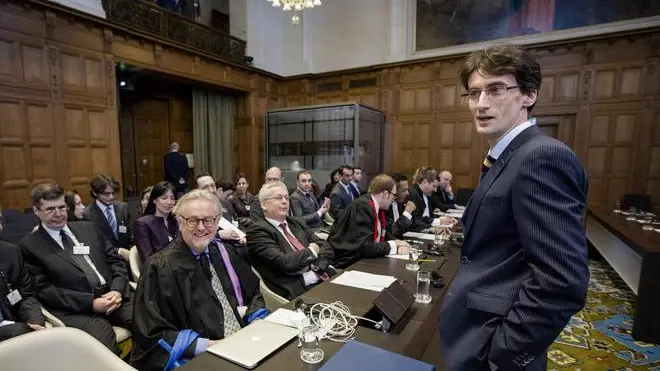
309,344
632,212
648,222
617,206
423,282
413,256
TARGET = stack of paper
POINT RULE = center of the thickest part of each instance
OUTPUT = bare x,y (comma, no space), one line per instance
420,236
287,317
363,280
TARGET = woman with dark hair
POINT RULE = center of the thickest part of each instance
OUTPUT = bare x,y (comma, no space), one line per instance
334,178
242,198
144,199
75,207
157,227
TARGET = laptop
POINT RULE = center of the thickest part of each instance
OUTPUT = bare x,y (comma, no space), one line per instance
251,344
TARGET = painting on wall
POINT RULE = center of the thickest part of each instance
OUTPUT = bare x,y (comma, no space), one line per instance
443,23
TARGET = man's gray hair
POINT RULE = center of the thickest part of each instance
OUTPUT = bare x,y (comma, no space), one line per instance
268,189
196,194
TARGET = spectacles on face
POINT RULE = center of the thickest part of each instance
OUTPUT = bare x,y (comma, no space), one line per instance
193,222
493,92
53,209
269,179
279,198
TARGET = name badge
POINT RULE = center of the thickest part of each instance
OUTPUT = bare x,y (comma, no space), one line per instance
247,207
169,238
81,250
122,229
14,297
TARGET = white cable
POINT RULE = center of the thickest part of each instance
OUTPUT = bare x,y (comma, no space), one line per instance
335,321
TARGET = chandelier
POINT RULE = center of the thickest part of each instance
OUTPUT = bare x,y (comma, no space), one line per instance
296,5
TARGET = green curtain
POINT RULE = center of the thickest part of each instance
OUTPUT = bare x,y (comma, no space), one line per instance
213,128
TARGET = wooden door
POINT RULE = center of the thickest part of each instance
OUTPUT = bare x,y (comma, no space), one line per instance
559,127
152,138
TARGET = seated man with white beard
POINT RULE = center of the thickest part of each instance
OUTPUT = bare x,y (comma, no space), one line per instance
196,283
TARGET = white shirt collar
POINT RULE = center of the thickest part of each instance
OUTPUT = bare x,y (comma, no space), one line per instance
375,205
103,206
55,233
275,222
501,145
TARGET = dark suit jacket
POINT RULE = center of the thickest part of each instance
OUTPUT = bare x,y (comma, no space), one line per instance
417,197
279,265
228,209
93,214
352,235
152,235
60,282
175,165
524,259
14,276
402,225
443,201
304,208
339,200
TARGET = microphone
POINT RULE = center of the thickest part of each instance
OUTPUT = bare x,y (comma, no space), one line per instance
437,280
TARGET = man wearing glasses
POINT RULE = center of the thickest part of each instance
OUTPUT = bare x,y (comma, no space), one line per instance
360,231
109,214
289,257
523,270
77,273
196,283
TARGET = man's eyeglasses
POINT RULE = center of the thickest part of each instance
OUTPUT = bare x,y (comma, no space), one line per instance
193,222
272,180
494,93
108,194
52,209
279,198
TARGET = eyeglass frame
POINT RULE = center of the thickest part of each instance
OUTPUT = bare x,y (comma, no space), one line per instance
51,210
467,96
211,223
278,198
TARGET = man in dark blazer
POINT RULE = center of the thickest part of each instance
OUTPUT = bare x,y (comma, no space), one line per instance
175,165
399,215
361,230
524,266
343,193
422,196
77,273
18,300
289,257
110,215
304,204
444,194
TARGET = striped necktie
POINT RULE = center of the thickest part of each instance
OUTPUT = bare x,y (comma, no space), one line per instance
111,220
487,164
231,324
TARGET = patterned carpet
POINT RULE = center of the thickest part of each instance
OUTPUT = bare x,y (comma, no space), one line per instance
598,337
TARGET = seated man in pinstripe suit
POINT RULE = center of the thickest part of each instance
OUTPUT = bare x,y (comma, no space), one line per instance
524,260
305,205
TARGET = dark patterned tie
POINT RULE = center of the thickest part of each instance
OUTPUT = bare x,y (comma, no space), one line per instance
231,324
487,164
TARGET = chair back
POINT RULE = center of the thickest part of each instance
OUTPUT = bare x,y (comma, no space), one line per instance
463,195
58,349
135,263
273,301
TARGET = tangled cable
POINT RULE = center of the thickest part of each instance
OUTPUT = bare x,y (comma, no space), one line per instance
335,321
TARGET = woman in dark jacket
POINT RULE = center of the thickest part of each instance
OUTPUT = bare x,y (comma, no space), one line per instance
157,227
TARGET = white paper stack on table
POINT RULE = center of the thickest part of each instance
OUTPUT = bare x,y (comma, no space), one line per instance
364,280
227,225
455,213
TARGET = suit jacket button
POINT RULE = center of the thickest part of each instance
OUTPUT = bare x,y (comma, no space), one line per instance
464,259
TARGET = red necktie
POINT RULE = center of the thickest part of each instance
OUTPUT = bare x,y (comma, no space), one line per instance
298,246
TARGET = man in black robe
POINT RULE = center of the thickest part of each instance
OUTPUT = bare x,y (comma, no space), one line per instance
360,231
196,283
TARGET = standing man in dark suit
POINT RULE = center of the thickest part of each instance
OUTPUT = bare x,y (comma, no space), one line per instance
289,257
305,205
343,193
78,274
175,165
18,301
524,266
111,216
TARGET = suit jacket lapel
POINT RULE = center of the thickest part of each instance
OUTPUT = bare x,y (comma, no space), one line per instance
103,222
494,172
57,249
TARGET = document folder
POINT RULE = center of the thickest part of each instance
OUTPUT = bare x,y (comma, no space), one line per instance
357,356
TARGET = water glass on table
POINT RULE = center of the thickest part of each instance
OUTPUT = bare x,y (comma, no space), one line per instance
413,257
423,282
309,343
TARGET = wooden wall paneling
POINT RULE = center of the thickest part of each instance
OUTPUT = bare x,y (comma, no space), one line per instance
648,168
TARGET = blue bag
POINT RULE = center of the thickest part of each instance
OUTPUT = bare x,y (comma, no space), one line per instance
183,341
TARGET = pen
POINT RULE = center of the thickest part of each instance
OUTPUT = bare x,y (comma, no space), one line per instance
426,260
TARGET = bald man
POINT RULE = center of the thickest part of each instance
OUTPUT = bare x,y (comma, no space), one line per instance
273,174
444,193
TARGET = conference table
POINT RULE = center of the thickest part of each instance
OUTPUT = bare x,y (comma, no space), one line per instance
634,254
411,337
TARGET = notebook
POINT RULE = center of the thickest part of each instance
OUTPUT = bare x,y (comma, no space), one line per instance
357,356
250,345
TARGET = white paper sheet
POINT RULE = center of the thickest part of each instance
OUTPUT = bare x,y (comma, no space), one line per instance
399,256
287,317
363,280
226,224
